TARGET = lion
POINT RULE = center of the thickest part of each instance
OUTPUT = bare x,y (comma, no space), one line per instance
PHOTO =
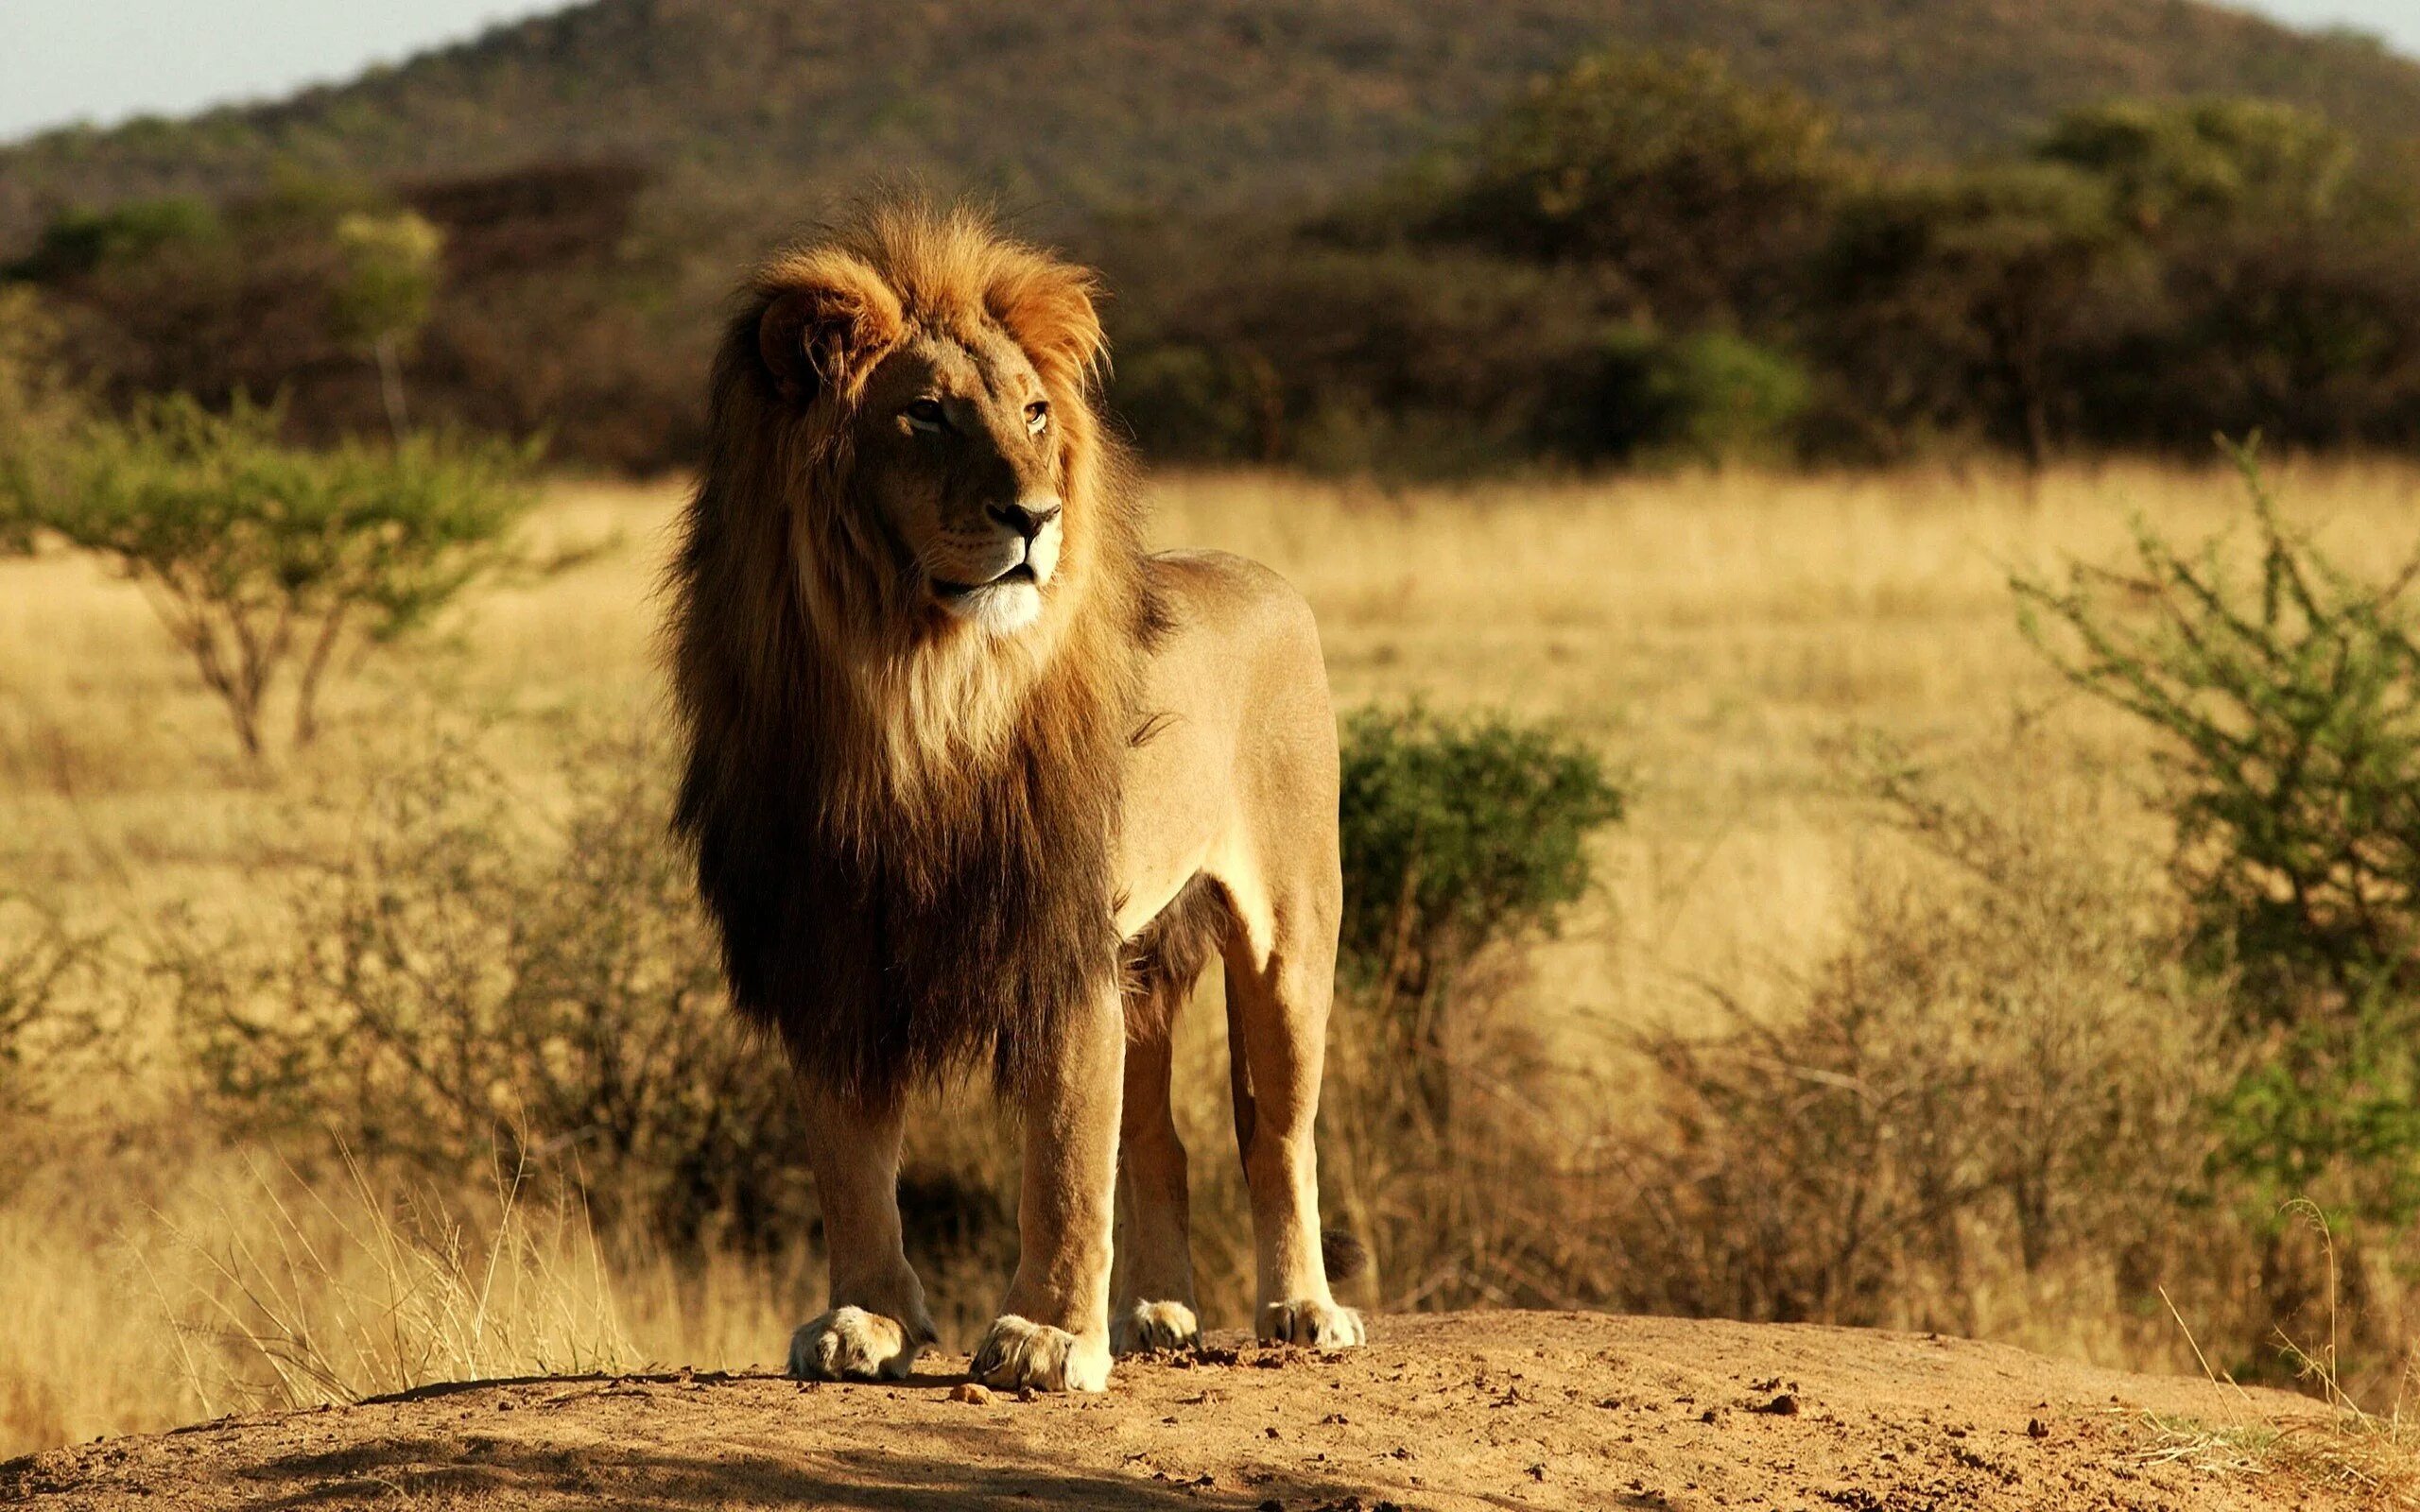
973,781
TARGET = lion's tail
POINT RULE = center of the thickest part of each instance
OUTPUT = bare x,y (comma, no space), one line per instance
1345,1256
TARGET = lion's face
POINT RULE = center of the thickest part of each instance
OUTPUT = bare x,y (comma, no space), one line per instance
957,456
944,376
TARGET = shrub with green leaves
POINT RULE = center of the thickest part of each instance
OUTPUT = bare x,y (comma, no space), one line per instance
264,561
1459,835
1712,397
1462,837
2287,691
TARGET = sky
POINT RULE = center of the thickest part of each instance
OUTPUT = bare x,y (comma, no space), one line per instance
103,61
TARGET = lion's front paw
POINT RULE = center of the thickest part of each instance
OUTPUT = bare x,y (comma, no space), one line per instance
1153,1326
1015,1354
1321,1325
851,1343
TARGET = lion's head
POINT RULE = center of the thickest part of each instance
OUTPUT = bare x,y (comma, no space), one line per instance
927,384
909,612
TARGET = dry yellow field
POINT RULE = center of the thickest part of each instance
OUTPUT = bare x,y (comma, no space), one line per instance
1724,637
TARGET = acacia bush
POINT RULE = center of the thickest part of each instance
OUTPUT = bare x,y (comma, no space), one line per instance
265,563
2285,690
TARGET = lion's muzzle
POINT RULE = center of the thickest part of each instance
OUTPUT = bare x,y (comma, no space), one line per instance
999,587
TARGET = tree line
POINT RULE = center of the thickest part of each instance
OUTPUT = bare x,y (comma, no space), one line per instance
1646,258
1649,257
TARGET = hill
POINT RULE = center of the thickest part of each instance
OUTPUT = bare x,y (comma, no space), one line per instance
1475,1411
751,109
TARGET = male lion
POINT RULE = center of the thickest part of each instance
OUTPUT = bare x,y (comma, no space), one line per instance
972,778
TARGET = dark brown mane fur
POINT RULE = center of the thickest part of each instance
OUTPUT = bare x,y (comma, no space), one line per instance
906,835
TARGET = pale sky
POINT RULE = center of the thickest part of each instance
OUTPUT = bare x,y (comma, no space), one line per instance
102,61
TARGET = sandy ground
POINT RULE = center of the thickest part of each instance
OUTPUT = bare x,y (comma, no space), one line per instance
1478,1410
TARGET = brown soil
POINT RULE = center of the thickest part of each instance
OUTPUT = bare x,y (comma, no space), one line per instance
1498,1410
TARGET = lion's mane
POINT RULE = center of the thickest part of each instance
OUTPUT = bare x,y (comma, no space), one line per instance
905,834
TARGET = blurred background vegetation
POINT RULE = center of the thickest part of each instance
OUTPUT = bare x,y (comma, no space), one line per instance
1433,240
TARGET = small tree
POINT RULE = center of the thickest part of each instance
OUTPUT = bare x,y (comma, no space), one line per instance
2288,698
1950,298
1703,189
263,561
390,285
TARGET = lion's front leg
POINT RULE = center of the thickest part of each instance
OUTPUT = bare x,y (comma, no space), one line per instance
876,1324
1053,1328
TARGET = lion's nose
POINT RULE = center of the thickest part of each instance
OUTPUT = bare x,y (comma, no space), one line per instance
1026,520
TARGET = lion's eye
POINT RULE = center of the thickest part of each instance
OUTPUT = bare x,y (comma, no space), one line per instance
1037,417
925,414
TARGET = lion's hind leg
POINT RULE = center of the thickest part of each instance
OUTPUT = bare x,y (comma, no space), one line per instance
1150,1292
1152,1295
1280,966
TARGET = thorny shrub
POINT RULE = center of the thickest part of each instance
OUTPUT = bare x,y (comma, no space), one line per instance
470,988
1998,1080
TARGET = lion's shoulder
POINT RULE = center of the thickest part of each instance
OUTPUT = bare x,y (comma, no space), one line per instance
1233,634
1220,590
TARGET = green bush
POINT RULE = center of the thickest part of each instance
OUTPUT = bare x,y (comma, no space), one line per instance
2287,693
80,242
263,561
1459,835
1463,839
1711,397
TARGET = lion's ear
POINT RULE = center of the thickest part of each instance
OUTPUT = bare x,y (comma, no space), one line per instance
826,321
1049,306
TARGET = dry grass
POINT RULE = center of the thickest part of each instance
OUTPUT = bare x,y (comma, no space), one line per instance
1722,636
302,1295
2373,1459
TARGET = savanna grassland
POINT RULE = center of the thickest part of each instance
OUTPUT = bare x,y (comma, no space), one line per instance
1758,655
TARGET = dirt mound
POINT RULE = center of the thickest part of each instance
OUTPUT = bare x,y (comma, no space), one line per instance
1495,1410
